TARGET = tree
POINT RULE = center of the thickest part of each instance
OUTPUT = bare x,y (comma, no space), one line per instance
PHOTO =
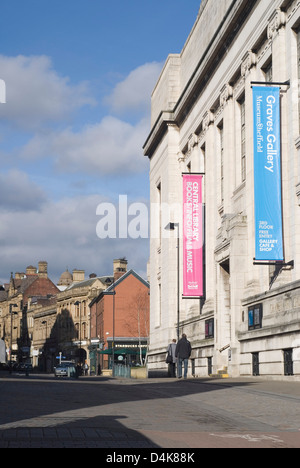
137,318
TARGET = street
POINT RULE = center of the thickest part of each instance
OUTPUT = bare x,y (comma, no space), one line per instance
97,412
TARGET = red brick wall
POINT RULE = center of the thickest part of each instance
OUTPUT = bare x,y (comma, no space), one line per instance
132,304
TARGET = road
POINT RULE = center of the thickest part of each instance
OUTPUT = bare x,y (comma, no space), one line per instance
97,412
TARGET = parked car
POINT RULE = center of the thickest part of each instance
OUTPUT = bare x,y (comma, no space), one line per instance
65,369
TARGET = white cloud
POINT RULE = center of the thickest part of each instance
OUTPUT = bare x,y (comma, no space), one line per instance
32,226
64,234
111,146
19,193
36,94
133,94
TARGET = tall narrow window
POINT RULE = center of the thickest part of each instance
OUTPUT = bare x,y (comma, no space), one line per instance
158,317
84,330
298,49
243,138
221,134
209,329
159,211
268,71
255,317
202,159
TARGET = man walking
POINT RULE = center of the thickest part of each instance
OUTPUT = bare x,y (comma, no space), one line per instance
172,365
183,352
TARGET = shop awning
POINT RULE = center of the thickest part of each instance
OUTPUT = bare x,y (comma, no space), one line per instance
119,351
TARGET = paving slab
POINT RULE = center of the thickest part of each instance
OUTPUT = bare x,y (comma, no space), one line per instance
150,414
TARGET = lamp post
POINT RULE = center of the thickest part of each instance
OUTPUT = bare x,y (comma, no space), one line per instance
44,322
77,303
11,332
171,227
113,342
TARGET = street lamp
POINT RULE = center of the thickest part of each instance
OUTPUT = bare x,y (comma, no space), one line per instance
171,227
113,342
11,332
77,303
44,322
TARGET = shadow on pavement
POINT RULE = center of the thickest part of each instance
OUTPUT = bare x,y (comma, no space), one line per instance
40,411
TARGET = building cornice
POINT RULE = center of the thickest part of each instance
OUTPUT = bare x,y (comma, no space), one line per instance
224,36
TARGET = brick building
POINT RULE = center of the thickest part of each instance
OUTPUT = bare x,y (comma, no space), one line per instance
120,319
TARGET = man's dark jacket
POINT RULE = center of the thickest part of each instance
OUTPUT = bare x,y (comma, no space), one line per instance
183,349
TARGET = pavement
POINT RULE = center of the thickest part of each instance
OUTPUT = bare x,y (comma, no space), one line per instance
153,415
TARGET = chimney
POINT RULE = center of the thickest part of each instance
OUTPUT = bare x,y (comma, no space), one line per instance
78,276
30,270
43,270
19,275
120,268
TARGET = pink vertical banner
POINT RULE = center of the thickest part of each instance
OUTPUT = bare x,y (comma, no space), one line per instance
192,236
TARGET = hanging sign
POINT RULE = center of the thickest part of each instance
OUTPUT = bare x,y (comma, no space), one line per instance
267,174
192,236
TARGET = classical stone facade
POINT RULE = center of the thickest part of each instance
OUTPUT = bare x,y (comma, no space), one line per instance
17,299
202,121
73,313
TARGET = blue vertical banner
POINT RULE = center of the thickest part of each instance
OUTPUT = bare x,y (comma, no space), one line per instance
267,174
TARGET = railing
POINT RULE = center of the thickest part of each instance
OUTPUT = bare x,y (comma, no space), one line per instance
119,370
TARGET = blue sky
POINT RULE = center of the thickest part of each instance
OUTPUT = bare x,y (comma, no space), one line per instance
79,76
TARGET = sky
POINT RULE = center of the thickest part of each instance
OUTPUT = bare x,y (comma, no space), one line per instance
79,76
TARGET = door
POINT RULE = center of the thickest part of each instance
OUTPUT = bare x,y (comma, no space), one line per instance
255,364
210,367
288,362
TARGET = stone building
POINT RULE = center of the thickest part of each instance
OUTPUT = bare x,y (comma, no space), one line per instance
65,280
248,322
42,317
73,314
39,320
16,322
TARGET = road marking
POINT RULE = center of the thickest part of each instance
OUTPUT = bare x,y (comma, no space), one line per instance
250,437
